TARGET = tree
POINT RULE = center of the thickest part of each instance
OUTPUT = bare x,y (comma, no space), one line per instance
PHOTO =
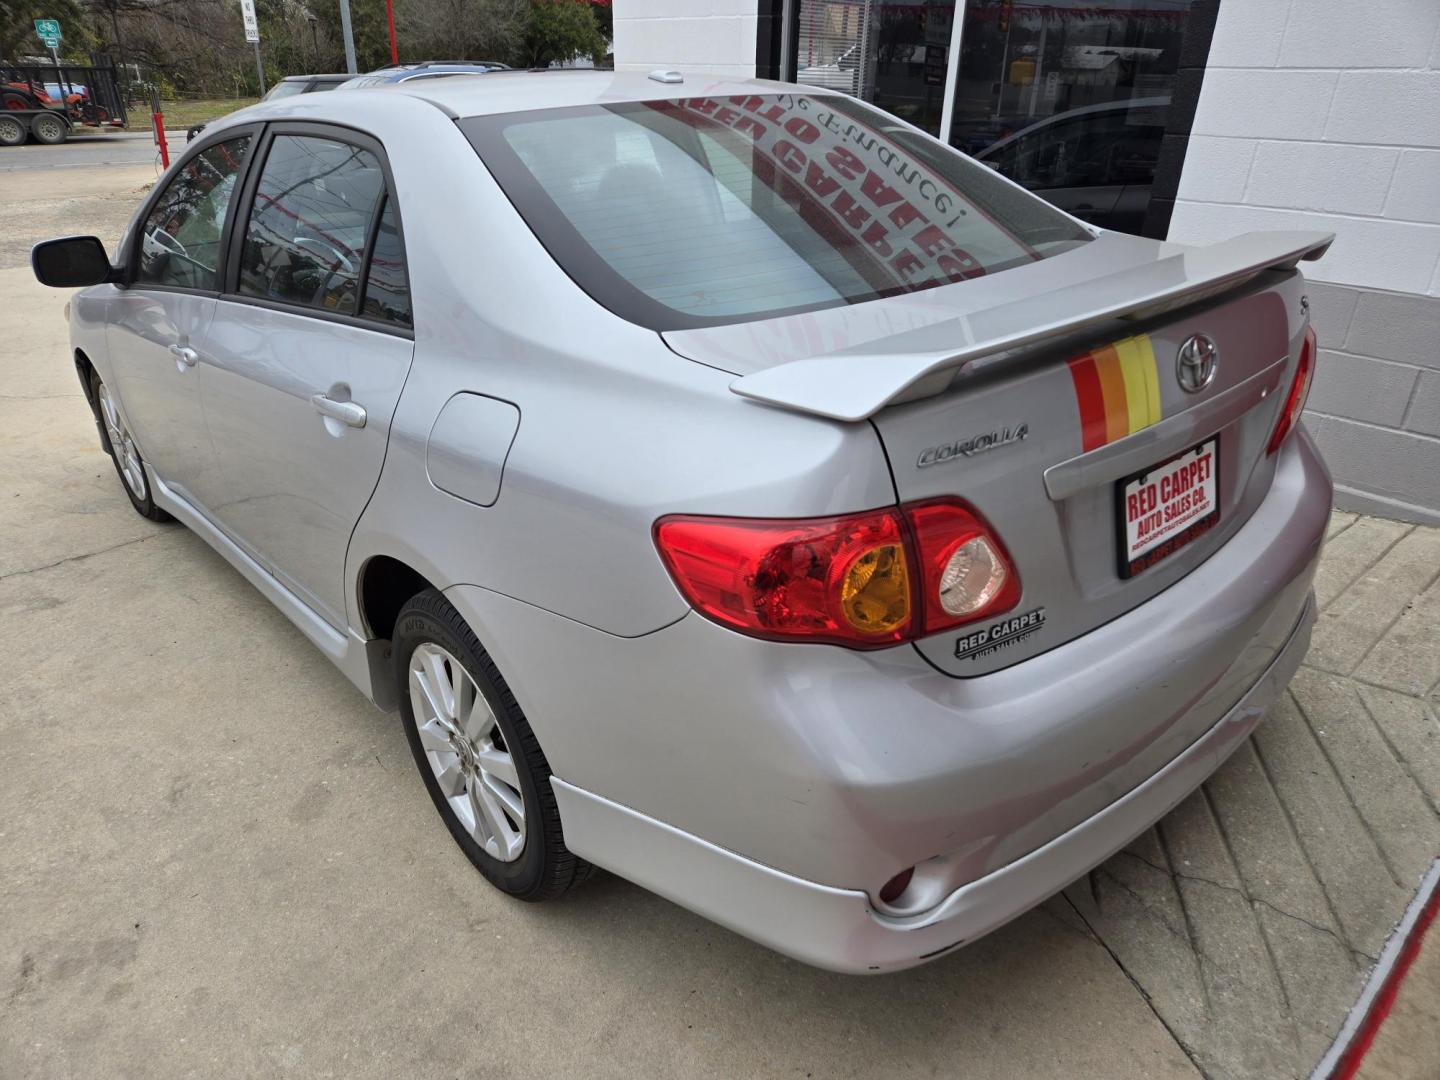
455,29
561,30
367,22
17,28
604,18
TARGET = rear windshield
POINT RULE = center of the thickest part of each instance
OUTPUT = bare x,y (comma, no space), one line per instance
697,211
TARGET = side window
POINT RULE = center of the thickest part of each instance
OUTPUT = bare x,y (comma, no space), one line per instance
387,291
305,240
180,240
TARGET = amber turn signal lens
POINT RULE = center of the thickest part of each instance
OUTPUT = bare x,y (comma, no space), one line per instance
875,591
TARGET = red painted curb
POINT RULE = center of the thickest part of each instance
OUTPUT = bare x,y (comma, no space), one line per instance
1363,1036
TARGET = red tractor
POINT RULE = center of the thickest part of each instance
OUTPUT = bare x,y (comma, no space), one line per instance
49,102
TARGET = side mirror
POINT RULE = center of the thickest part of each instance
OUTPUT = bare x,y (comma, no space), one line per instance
70,262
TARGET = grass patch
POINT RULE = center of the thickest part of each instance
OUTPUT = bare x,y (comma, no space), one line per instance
181,114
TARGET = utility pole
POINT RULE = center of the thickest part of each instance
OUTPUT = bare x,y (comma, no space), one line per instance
349,37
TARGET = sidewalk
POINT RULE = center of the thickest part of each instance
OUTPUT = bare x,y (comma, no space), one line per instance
1251,915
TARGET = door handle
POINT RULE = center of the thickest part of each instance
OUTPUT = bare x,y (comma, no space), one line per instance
184,354
347,412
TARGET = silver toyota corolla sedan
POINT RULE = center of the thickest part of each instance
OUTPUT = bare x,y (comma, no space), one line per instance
729,485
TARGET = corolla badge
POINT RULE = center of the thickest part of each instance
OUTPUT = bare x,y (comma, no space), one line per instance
976,444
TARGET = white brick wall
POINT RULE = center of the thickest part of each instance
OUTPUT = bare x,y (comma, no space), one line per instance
694,35
1321,114
1325,114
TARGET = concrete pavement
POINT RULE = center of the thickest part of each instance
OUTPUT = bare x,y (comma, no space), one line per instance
219,859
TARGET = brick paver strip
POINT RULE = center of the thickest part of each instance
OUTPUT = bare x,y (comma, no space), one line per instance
1351,625
1395,810
1412,729
1347,862
1407,658
1351,551
1314,965
1251,915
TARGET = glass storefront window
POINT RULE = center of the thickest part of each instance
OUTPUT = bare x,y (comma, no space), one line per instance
1068,97
889,52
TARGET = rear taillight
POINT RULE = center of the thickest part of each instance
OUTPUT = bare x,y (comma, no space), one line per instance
965,573
860,580
1299,391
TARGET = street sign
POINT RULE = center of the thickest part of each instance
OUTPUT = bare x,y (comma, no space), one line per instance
247,12
48,31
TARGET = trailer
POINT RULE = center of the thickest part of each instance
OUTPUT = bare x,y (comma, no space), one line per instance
46,102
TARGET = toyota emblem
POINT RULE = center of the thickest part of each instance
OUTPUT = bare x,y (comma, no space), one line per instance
1196,363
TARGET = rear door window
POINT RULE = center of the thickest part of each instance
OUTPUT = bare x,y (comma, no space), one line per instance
305,241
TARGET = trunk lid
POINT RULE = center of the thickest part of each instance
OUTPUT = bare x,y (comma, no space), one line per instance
1035,401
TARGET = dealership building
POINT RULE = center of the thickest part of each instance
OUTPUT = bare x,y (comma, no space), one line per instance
1188,120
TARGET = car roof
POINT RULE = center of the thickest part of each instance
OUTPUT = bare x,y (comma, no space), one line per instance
519,91
501,92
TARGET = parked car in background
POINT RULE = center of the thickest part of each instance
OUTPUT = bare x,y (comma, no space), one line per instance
289,86
1096,162
427,69
729,485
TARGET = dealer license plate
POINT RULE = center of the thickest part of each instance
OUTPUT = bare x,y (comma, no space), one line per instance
1167,506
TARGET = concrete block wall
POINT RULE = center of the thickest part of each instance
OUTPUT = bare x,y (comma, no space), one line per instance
1325,114
701,35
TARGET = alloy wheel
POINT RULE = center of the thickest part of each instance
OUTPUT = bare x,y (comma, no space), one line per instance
466,751
123,446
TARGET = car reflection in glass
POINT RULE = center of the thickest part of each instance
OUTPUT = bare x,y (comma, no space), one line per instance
1096,162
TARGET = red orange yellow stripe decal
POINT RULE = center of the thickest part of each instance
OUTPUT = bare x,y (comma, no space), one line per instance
1117,389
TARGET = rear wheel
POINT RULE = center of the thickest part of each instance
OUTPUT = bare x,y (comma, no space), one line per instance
12,131
479,759
49,129
123,451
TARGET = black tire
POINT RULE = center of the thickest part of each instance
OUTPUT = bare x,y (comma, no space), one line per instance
545,868
145,507
12,131
49,129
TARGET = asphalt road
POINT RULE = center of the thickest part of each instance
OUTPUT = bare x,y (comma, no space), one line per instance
89,150
216,859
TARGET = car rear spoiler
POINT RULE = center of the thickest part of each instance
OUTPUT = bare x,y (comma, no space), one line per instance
852,384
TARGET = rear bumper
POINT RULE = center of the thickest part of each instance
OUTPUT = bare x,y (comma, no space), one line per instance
772,787
839,929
